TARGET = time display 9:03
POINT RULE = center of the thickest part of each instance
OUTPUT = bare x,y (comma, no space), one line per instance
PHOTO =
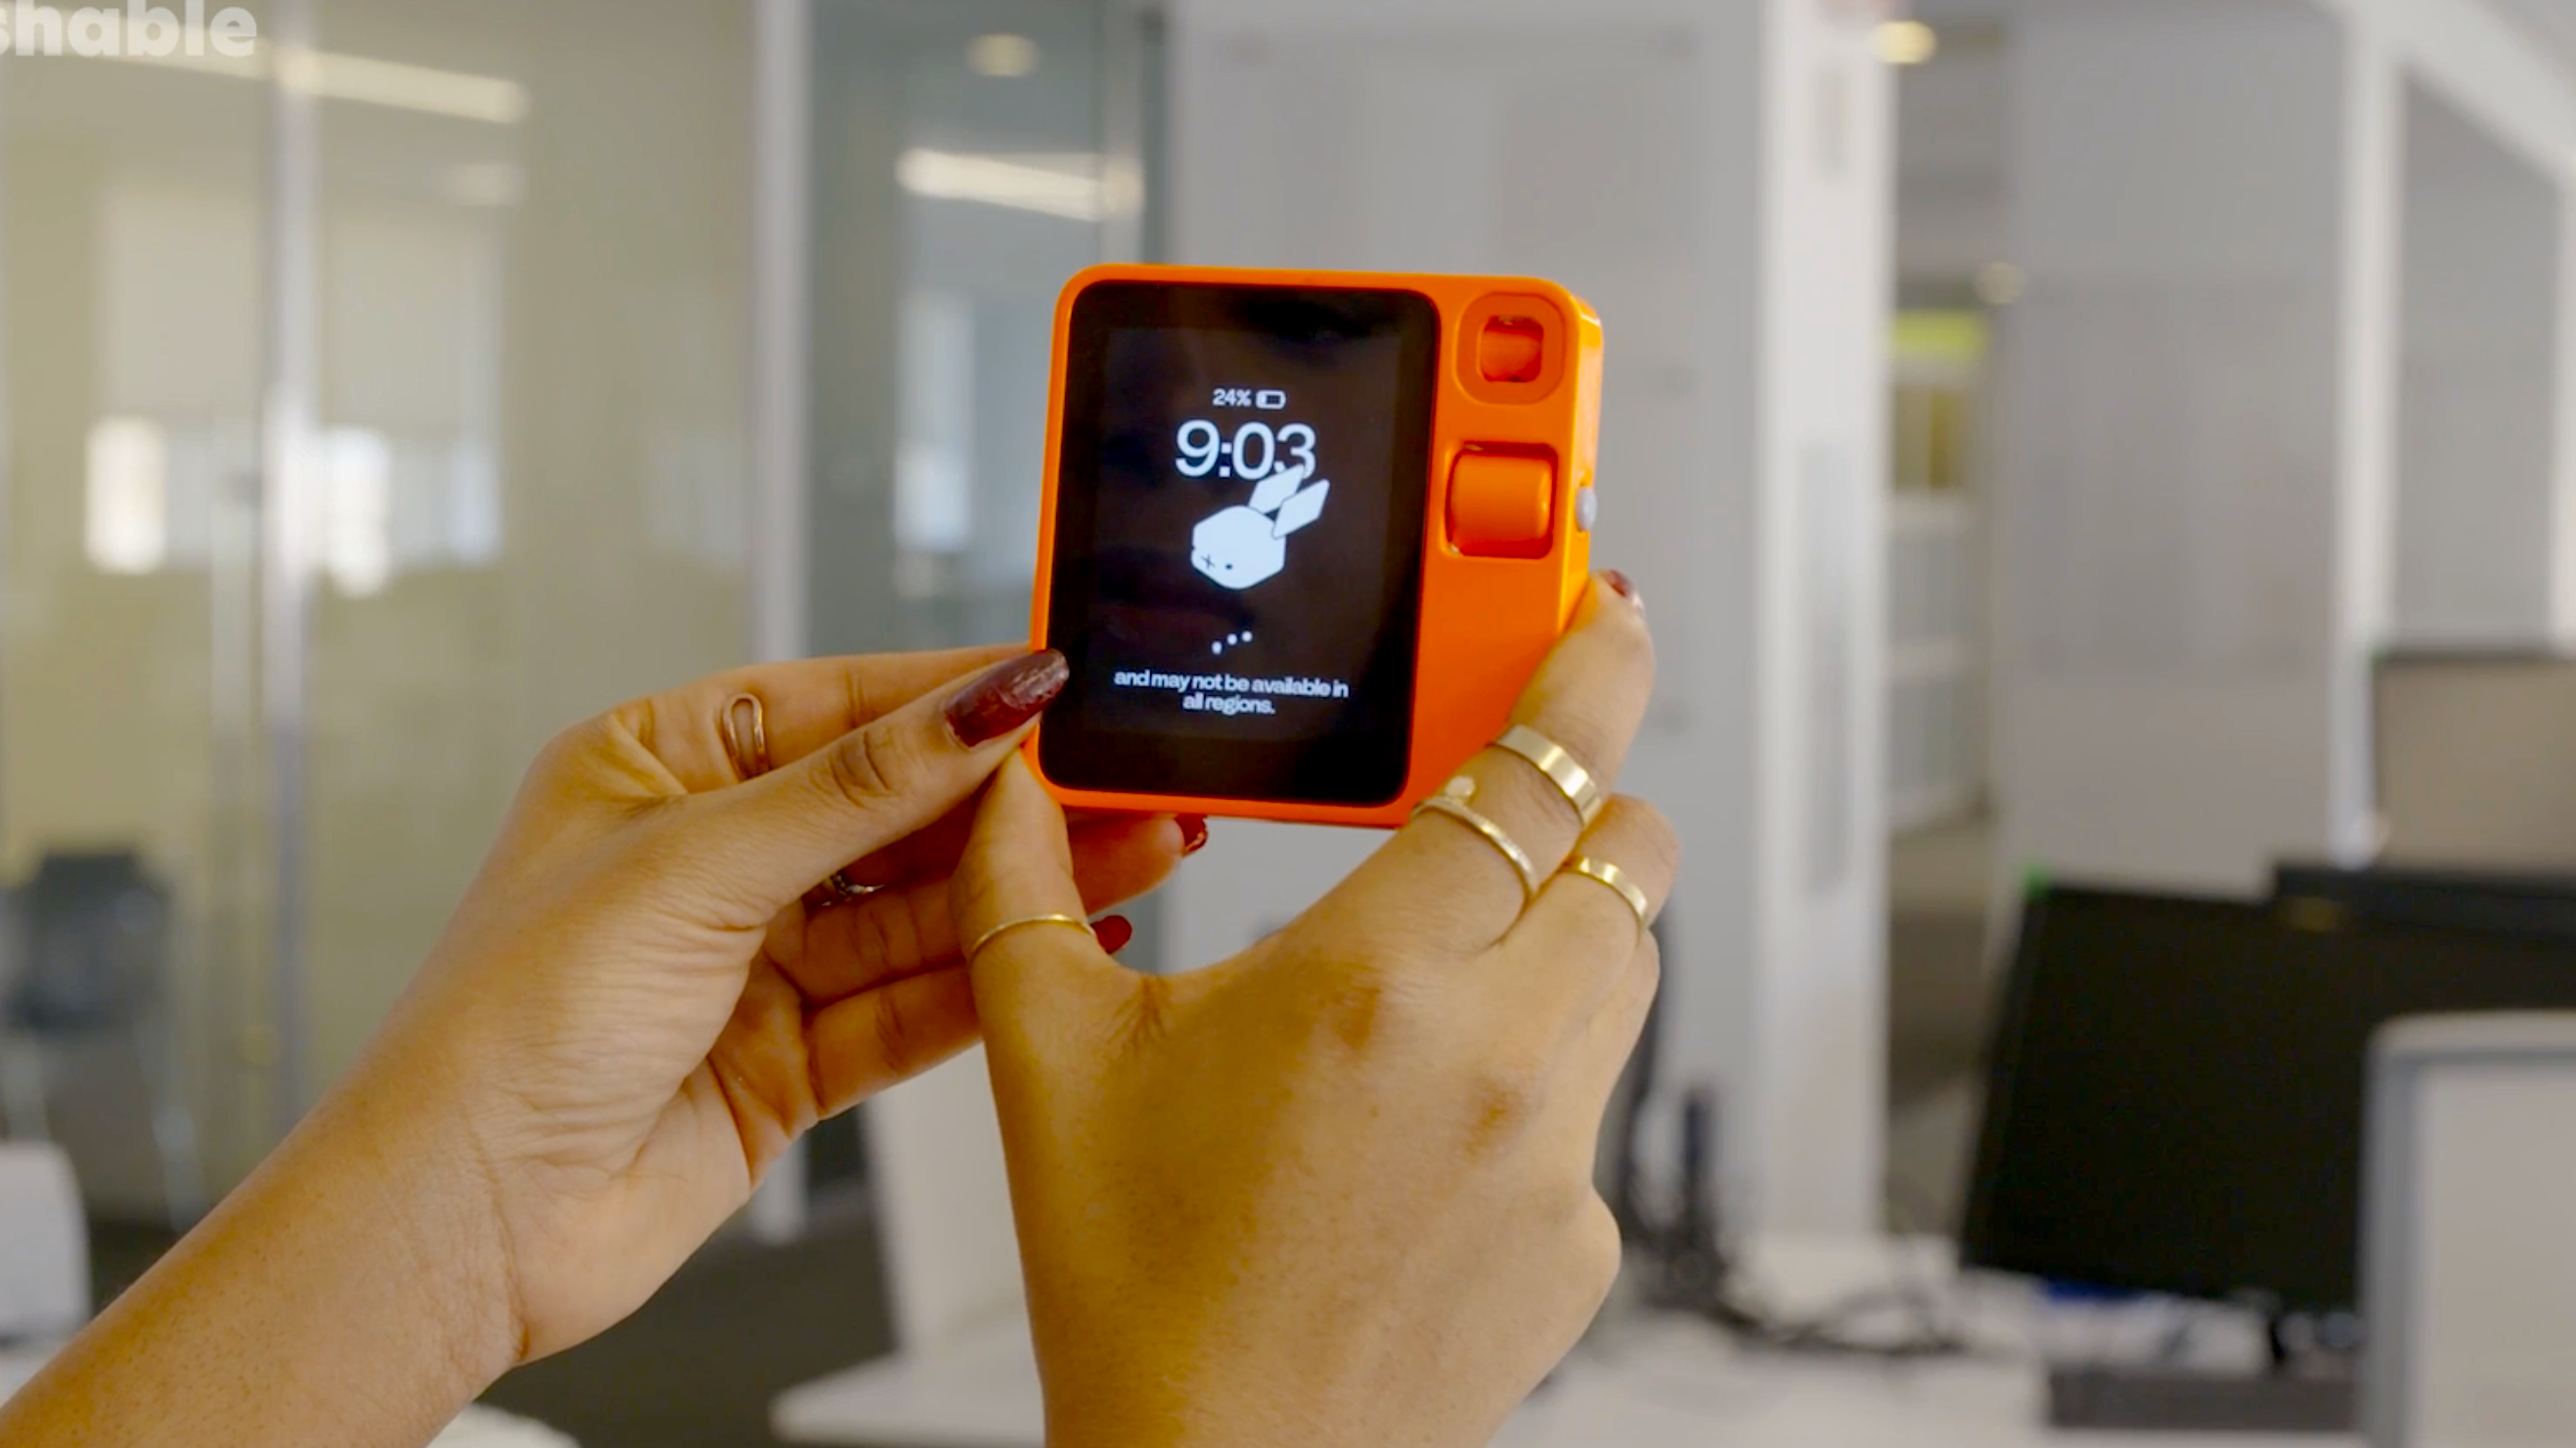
1252,452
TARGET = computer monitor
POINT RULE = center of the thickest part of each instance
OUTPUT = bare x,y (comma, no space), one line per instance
2530,904
2472,759
2176,1093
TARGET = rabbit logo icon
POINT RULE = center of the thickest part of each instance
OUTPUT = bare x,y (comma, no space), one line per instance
1248,544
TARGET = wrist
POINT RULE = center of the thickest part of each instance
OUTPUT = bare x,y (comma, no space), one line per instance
388,1153
349,1292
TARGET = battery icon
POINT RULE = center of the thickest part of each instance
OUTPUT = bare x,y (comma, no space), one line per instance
1270,399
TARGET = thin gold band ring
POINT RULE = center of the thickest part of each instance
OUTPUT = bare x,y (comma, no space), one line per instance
1560,766
1603,872
1452,803
1007,926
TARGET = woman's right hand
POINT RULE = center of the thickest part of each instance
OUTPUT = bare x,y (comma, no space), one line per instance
1337,1190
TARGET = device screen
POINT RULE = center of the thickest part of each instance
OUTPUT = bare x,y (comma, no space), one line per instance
1240,507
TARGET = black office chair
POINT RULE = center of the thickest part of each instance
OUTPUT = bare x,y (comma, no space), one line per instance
89,942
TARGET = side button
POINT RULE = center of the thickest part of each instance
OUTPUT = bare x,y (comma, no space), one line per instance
1501,505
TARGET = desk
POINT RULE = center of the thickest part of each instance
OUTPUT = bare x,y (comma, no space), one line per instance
1642,1382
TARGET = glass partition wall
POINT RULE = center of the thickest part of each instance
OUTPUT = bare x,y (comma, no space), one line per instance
132,213
370,415
967,157
531,396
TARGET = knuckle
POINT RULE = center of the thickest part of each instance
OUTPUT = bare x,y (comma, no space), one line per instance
1505,1096
869,766
1658,845
897,1036
563,754
1587,724
883,929
1597,1250
1364,1006
1354,1012
980,896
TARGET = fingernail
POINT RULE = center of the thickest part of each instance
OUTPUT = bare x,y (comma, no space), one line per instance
1620,585
1194,833
1114,932
1008,696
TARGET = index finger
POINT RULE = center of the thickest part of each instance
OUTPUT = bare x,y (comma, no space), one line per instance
805,704
1437,882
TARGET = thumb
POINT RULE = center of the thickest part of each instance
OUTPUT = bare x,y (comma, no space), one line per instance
764,843
1018,866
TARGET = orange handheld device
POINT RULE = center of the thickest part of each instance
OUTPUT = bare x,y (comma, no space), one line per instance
1306,535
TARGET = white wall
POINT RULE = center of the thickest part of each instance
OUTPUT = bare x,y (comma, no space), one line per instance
2192,448
1714,179
2479,389
2291,375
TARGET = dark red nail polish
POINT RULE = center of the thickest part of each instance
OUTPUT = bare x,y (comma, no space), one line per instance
1114,932
1194,833
1620,585
1008,696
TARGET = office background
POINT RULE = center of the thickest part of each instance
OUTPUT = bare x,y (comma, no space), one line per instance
2030,423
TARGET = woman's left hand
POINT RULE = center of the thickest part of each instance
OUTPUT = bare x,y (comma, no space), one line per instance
635,1010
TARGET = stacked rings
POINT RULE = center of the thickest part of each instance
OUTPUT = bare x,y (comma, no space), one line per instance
1581,791
1453,801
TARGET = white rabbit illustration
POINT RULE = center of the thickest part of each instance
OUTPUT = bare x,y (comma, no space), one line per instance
1247,544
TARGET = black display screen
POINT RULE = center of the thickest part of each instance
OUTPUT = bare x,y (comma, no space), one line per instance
1241,494
2178,1089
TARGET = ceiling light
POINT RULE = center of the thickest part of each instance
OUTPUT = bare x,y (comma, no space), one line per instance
128,524
1078,185
1002,56
1905,42
403,87
462,95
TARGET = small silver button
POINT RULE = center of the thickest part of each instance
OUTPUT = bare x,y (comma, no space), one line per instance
1587,508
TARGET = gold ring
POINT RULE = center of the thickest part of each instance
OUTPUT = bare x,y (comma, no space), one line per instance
1617,879
1452,801
1561,768
749,748
1007,926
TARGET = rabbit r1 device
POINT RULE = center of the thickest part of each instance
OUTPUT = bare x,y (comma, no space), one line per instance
1306,535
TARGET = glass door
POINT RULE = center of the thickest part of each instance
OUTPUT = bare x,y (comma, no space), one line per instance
135,1028
532,304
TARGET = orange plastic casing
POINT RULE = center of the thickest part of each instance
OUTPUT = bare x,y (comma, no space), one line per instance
1487,621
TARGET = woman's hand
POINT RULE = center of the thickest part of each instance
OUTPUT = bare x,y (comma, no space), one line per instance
631,1015
635,1011
1338,1189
